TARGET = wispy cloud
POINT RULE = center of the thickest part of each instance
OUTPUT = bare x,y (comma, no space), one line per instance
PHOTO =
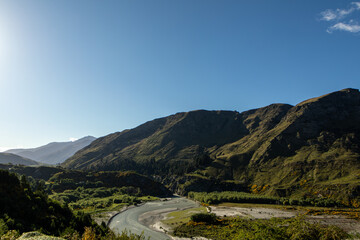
328,15
73,139
354,28
356,4
338,16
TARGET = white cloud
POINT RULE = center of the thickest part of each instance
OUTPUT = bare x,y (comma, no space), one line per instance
353,28
339,15
330,15
73,139
357,5
344,12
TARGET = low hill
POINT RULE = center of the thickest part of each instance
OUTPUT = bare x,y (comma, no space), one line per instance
312,148
64,179
38,172
72,179
6,158
55,152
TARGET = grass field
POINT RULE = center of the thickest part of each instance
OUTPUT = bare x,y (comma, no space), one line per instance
177,218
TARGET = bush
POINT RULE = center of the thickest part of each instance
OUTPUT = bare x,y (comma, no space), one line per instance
243,197
231,196
204,217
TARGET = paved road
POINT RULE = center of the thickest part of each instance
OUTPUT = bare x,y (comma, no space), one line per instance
130,218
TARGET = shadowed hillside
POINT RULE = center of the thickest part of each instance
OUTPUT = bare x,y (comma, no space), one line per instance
23,210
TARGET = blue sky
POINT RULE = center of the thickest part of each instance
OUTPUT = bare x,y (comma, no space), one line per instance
74,68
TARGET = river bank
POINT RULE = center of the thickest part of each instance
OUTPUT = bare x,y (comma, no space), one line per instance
140,219
150,217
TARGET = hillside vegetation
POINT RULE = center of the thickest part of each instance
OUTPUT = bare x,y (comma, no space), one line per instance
91,192
207,225
33,215
23,210
36,172
71,180
308,150
103,191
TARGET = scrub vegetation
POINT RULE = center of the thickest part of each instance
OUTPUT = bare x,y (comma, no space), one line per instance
207,225
22,210
243,197
100,199
177,218
26,207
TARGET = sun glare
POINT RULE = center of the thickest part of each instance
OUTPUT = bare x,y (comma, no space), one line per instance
4,45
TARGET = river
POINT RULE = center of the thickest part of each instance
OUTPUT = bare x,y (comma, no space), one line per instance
129,219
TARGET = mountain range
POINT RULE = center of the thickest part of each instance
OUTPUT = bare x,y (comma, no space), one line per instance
55,152
310,148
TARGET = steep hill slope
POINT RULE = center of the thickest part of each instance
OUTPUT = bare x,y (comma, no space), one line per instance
280,149
6,158
168,144
55,152
315,146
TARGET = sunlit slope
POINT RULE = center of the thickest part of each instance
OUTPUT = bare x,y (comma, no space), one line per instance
162,143
314,144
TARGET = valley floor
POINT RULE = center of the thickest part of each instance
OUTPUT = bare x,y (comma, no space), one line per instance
165,218
350,225
166,222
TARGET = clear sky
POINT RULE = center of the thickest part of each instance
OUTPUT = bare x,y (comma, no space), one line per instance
88,67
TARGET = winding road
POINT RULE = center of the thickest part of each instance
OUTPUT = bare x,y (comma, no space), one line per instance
129,219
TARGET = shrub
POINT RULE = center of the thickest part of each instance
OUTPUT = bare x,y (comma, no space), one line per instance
204,217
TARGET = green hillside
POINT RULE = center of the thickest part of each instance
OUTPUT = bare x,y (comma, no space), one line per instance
309,149
70,180
23,210
36,172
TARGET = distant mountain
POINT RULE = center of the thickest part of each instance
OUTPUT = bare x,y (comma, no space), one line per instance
55,152
312,148
6,158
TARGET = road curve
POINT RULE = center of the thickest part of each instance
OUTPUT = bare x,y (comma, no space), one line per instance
129,219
